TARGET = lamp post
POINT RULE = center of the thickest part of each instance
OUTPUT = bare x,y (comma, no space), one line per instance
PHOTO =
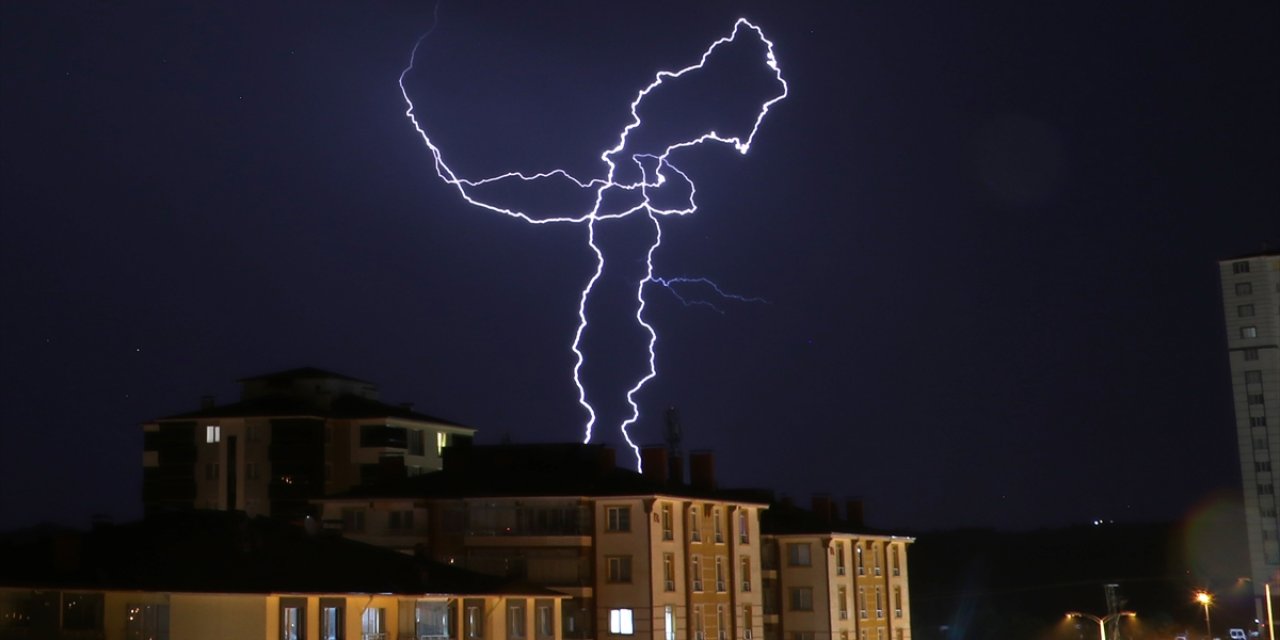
1205,599
1102,622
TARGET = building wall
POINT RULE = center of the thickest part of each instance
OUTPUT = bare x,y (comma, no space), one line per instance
1251,307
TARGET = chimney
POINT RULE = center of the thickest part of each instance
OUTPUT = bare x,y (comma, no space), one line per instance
206,402
675,470
702,470
823,507
654,461
853,512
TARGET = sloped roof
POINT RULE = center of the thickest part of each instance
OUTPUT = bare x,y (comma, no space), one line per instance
228,552
345,407
303,373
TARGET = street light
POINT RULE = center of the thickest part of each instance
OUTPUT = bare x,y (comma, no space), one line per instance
1205,599
1102,622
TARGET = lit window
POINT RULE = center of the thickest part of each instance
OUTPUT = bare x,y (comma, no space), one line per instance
515,618
620,622
669,620
331,623
1248,332
442,440
212,434
618,518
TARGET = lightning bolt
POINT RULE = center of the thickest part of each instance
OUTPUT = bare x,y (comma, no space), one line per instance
662,171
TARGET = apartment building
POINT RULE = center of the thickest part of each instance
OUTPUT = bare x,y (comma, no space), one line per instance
293,436
637,555
827,578
1251,306
217,575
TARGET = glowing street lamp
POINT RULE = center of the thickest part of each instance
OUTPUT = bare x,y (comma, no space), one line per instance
1102,622
1205,599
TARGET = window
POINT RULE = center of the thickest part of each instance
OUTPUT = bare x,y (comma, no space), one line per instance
842,602
695,572
473,618
1266,489
1249,332
875,558
717,524
1244,310
744,572
293,618
699,625
695,531
801,598
669,623
1260,443
516,618
212,434
1257,421
1243,288
618,519
442,441
353,520
1253,377
619,568
722,629
400,520
747,622
897,567
721,585
897,602
1240,267
839,558
744,527
545,621
417,442
798,554
857,552
668,572
621,622
331,622
373,624
862,603
1250,354
879,604
253,433
431,620
667,533
1255,398
146,622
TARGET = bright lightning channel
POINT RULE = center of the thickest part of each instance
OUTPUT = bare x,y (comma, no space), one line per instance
661,162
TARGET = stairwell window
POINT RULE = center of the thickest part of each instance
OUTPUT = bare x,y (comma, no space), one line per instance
798,554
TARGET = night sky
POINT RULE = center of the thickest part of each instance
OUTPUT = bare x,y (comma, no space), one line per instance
987,237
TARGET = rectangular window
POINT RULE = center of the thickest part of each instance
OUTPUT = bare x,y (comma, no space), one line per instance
897,570
699,631
862,603
897,602
545,619
373,624
1257,421
431,620
669,623
717,525
1253,377
400,520
840,559
1266,489
1240,267
417,442
1244,310
798,554
879,604
383,436
721,584
1250,354
251,470
722,628
212,434
331,622
618,519
747,622
515,618
254,433
473,618
744,572
353,520
619,568
442,441
695,572
667,532
293,618
842,602
1256,398
146,622
668,572
621,622
744,527
1248,332
695,530
1243,288
875,558
801,598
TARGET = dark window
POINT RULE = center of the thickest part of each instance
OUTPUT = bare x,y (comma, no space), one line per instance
619,518
332,619
1243,288
417,443
1240,267
381,435
802,599
82,611
1256,398
1253,377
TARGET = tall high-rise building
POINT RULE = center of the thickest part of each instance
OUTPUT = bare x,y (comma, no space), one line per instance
1251,301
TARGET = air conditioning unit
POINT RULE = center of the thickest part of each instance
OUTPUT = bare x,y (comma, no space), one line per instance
879,613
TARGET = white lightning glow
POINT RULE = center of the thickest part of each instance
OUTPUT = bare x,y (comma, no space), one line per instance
661,163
